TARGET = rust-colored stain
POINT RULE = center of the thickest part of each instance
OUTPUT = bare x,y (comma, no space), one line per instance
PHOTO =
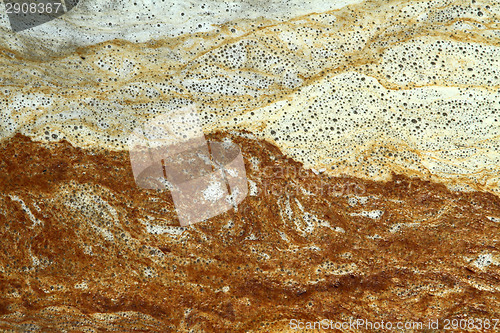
85,250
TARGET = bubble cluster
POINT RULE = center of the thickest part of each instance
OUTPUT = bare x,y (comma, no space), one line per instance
365,90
